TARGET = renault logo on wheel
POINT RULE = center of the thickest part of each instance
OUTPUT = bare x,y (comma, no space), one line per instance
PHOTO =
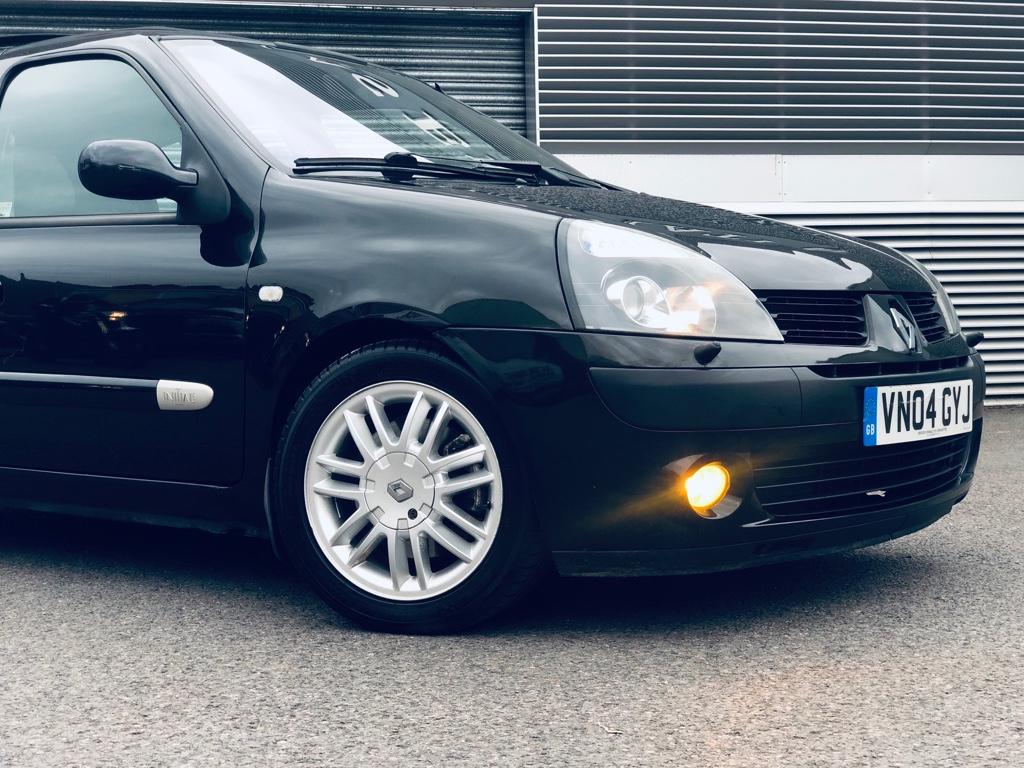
904,328
400,490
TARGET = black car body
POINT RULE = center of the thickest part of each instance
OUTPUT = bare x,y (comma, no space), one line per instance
99,308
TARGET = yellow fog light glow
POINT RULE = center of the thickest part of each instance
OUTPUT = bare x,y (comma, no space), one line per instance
706,487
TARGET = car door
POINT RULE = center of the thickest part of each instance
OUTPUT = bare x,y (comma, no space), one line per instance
106,303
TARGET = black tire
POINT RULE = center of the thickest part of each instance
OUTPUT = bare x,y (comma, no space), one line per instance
515,558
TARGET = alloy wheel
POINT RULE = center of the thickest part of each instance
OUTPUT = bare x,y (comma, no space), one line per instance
403,490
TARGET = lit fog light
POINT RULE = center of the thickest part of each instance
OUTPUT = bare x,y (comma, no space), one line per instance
706,487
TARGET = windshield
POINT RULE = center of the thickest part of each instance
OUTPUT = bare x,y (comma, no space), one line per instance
301,103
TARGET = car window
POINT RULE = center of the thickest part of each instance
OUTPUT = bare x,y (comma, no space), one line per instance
51,112
303,103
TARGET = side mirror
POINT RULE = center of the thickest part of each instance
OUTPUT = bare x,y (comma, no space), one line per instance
132,170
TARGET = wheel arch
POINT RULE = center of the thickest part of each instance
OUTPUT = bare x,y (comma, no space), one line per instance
340,340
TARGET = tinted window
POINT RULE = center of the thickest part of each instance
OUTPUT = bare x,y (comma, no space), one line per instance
50,113
305,103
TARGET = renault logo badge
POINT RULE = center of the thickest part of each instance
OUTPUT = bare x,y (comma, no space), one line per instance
904,328
400,490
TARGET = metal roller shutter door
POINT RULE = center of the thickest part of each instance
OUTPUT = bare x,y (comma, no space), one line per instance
477,57
654,76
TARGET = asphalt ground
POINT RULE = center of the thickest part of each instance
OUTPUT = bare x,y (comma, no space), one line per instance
129,646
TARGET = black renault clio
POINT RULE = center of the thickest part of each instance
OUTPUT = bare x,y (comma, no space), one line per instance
263,288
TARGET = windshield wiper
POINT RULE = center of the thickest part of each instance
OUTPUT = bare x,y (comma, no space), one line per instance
546,172
402,166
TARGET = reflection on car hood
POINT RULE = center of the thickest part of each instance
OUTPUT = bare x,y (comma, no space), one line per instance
764,253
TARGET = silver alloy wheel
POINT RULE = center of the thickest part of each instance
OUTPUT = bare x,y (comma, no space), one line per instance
403,490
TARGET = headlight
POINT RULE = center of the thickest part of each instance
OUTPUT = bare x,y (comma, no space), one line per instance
624,280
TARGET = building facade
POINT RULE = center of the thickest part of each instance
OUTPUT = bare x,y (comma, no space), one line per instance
895,120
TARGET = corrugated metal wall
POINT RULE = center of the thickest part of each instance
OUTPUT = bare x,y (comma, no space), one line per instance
644,76
478,57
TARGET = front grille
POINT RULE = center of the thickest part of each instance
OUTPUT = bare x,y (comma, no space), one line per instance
838,482
827,317
853,370
927,316
837,317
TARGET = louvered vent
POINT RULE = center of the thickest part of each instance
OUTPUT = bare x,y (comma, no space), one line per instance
838,482
633,76
477,57
862,370
978,257
806,317
927,316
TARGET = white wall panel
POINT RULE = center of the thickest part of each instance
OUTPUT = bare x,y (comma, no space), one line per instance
976,177
855,177
813,178
707,177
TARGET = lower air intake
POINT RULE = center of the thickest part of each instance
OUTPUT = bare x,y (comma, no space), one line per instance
848,481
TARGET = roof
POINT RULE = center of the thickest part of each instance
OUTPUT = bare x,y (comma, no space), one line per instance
44,43
9,44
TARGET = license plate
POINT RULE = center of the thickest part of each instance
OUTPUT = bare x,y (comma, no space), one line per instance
909,412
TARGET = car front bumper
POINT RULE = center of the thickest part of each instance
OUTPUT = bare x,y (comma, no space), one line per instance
605,425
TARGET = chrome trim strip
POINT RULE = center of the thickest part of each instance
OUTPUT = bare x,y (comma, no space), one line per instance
73,380
171,395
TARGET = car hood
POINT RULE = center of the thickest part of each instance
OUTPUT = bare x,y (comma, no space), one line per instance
766,254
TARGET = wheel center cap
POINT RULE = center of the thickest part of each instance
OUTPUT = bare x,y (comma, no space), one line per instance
399,491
